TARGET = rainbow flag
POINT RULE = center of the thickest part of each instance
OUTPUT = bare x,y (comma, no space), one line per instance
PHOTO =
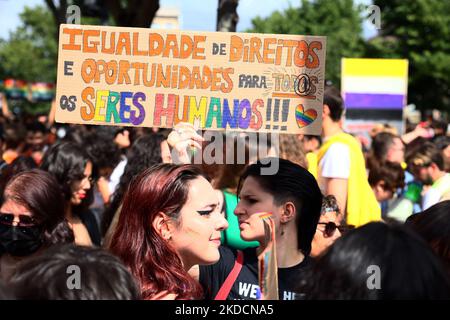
42,91
374,83
16,89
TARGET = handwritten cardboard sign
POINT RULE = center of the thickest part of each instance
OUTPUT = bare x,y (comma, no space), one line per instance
218,81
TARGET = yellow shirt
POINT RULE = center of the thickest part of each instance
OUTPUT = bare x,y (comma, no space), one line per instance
362,206
311,157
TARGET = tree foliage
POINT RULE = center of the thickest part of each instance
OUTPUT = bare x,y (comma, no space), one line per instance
340,21
418,31
31,51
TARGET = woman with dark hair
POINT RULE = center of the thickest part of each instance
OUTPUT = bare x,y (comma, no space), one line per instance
73,169
169,221
292,195
145,152
377,261
31,218
433,225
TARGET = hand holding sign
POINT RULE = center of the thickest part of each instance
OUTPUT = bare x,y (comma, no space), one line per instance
182,137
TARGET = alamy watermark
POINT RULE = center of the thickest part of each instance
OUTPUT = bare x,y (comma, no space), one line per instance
374,16
73,14
73,281
374,280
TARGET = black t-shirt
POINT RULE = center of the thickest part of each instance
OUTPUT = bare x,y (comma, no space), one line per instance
246,285
89,221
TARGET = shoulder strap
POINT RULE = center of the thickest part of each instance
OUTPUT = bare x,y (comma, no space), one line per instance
231,278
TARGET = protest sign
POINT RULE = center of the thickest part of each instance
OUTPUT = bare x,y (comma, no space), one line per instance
218,81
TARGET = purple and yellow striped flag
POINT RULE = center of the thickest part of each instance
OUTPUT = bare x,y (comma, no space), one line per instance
374,83
267,261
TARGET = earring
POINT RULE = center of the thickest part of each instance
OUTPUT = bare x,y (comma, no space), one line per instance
282,230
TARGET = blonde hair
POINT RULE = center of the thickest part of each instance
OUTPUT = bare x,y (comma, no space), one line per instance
291,149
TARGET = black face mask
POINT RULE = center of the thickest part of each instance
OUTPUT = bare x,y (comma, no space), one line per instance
20,241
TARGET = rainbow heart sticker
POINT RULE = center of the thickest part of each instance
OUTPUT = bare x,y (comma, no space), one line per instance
303,117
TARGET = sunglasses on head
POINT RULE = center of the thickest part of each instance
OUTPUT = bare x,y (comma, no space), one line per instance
24,220
330,228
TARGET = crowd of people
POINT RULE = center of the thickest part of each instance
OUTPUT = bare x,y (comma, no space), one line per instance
126,209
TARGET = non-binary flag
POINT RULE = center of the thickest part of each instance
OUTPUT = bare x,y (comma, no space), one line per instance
374,83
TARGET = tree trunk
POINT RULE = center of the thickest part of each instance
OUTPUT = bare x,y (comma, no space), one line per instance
59,14
137,13
227,17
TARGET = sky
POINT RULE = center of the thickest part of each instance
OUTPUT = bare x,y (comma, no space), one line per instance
196,15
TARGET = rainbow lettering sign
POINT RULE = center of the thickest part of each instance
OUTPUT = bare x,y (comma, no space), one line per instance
214,80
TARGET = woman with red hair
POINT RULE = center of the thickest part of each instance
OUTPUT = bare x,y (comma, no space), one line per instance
170,221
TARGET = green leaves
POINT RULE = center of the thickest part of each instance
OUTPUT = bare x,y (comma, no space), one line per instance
31,52
340,21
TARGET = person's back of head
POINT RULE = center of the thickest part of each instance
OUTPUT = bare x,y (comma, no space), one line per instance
433,225
14,135
378,261
36,126
105,154
385,178
332,98
71,272
442,142
381,144
5,293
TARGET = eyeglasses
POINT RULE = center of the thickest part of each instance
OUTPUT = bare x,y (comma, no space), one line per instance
24,220
330,228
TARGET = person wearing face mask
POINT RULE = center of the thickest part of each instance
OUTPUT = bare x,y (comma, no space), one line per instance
31,219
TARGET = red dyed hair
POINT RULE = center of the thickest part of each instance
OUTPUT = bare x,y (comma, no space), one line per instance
154,263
